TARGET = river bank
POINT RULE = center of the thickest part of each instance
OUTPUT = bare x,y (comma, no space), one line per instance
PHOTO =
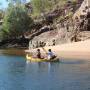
76,50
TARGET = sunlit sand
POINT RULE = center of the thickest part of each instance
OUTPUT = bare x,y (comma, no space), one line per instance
76,50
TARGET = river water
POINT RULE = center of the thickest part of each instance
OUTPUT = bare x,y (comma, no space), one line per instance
16,74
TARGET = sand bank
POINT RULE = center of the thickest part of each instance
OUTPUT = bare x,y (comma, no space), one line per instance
76,50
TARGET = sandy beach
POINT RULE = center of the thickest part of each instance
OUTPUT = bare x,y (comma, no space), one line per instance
75,50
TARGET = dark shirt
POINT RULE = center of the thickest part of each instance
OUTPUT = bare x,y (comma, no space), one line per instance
38,55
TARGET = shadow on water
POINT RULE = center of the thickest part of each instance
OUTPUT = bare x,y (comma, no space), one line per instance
61,61
17,52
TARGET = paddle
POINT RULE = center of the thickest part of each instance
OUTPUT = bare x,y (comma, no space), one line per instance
44,50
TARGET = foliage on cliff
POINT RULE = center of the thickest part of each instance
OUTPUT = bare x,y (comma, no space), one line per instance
44,6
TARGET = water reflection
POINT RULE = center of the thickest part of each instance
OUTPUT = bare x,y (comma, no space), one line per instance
48,66
41,66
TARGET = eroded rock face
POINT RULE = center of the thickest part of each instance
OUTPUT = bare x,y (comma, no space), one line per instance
88,21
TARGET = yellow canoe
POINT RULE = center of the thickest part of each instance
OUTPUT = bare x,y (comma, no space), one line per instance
31,59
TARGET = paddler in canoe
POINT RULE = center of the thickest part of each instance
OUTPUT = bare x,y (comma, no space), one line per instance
50,54
38,54
38,57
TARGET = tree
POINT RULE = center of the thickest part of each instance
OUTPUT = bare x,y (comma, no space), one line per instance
16,21
40,6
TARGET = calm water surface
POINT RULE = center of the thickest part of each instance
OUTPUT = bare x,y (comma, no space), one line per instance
16,74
